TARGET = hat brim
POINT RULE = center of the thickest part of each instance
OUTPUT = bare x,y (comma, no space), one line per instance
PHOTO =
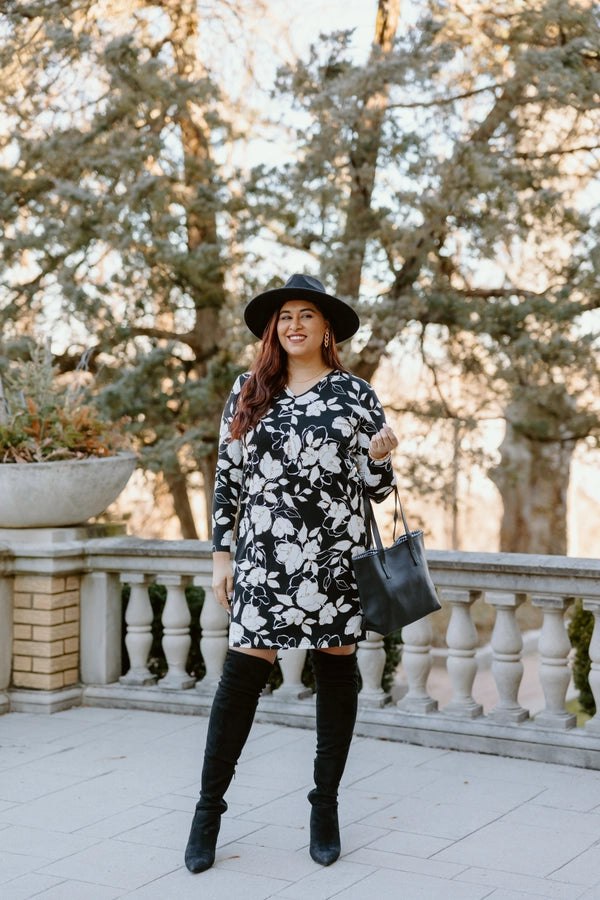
343,319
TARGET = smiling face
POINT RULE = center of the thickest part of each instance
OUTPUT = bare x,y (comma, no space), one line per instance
300,329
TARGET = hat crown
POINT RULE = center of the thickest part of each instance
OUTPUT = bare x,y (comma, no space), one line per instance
341,317
305,283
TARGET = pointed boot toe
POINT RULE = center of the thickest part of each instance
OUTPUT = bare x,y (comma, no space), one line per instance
202,842
325,845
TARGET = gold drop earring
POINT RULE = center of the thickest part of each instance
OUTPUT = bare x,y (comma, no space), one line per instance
326,339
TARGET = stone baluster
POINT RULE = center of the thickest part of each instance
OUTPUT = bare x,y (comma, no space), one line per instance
214,622
507,667
371,663
416,662
593,606
462,642
554,647
138,639
176,640
291,663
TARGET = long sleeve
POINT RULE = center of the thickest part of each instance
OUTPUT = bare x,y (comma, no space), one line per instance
228,477
378,476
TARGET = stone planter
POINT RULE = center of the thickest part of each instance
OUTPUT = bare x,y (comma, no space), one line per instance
62,492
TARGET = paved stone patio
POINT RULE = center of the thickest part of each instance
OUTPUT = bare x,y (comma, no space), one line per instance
95,804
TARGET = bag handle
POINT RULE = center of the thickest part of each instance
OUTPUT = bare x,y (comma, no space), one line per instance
373,535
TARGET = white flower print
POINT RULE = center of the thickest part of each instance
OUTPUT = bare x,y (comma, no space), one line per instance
251,618
371,478
310,550
292,446
338,511
221,519
256,575
255,484
340,423
356,528
310,456
261,518
290,555
327,614
309,597
329,458
282,526
295,486
315,408
307,397
236,634
271,468
235,452
293,616
269,495
354,626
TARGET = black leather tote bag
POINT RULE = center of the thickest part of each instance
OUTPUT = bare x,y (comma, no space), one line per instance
394,583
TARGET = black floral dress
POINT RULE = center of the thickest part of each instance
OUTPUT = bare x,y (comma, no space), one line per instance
297,480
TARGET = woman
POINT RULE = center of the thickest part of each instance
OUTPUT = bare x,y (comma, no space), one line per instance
301,439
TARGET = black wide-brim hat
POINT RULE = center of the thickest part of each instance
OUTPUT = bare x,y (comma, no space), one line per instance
343,320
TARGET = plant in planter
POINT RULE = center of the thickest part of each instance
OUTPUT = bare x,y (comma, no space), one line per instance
60,463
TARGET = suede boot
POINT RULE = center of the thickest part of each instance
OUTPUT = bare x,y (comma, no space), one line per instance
234,706
337,696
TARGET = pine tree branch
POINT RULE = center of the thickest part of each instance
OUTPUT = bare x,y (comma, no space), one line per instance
160,334
445,101
558,151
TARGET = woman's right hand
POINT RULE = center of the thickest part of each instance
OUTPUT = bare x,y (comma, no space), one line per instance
222,580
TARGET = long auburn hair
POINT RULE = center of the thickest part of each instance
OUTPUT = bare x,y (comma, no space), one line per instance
268,377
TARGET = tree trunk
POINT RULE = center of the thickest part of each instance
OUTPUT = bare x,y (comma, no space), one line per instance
533,479
199,170
363,160
177,483
208,465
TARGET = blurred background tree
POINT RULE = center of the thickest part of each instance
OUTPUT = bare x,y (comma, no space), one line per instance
118,203
453,179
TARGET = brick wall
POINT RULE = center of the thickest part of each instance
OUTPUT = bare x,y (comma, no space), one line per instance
46,631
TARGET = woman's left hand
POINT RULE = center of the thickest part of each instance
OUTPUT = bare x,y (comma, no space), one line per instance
382,443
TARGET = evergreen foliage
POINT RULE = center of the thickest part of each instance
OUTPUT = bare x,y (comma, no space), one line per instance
580,632
116,214
478,229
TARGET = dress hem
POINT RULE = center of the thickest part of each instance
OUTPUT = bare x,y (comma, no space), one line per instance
304,647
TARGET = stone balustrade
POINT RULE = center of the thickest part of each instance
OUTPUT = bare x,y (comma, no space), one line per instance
61,633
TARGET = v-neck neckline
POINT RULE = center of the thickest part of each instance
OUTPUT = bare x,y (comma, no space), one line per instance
290,393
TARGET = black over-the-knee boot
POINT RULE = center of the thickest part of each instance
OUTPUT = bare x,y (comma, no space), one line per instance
242,681
337,691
